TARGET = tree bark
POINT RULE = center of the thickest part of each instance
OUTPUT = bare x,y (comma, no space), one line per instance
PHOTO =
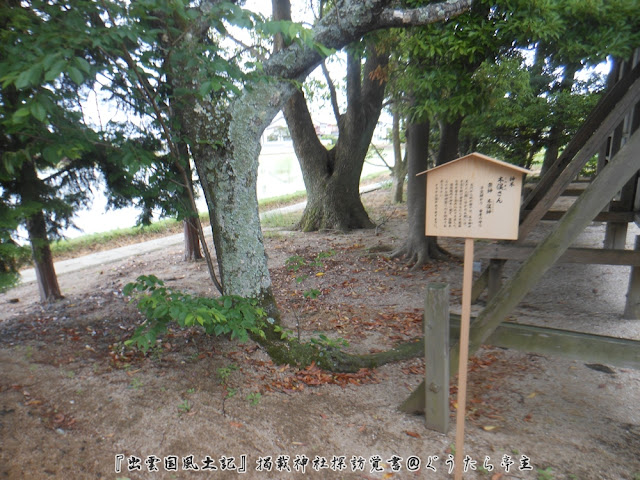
449,140
191,241
36,226
42,258
417,249
400,163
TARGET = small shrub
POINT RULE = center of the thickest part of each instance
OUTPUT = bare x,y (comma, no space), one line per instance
226,315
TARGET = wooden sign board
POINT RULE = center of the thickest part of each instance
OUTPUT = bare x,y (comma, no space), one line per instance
475,196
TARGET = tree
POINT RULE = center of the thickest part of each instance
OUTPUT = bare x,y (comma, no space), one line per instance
442,65
48,153
417,248
143,77
400,162
228,168
332,175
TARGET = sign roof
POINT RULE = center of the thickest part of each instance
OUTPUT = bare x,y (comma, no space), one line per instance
478,156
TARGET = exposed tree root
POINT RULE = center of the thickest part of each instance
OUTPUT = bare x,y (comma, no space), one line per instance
292,352
420,253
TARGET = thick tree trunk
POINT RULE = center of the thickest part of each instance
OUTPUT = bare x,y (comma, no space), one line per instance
449,141
332,177
226,141
333,201
417,249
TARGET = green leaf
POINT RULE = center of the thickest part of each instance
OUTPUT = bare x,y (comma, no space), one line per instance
55,70
23,80
75,75
82,64
38,111
52,157
21,114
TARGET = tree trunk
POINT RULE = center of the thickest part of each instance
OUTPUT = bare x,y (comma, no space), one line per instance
332,177
449,141
400,163
556,137
36,226
191,241
226,142
417,249
191,237
42,258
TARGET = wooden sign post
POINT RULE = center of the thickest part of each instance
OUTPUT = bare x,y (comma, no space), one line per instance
472,197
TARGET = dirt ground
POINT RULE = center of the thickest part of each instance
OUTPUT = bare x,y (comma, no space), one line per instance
75,404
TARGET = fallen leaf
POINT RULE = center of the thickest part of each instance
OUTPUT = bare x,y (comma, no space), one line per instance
488,428
532,394
319,274
412,434
497,476
236,424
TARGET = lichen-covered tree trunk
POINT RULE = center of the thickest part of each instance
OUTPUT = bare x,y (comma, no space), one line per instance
225,141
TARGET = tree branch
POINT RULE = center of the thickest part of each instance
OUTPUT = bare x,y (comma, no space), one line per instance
393,17
332,91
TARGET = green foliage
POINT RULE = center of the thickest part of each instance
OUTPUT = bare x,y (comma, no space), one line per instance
226,315
312,293
185,407
295,263
254,398
546,474
225,372
285,334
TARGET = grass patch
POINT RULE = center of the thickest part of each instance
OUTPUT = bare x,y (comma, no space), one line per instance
282,201
67,248
281,220
85,244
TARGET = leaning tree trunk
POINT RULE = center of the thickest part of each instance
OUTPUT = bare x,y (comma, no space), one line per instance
42,258
191,235
37,229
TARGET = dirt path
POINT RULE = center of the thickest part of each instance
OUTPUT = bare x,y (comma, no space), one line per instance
72,399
